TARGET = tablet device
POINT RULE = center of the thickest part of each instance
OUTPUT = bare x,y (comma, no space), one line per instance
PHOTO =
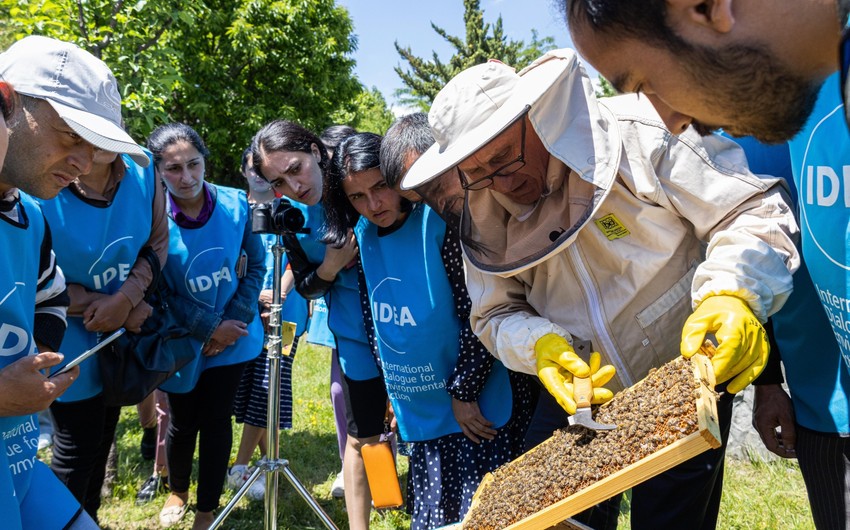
88,353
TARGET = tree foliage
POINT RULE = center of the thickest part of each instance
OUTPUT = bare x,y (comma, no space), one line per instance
225,67
605,89
367,113
249,62
483,41
129,37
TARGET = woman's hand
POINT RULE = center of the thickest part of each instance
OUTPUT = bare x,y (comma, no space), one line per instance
473,424
337,259
107,313
265,306
392,418
137,317
265,303
226,334
267,297
24,389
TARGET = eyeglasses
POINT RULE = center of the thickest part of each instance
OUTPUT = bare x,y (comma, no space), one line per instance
845,67
508,169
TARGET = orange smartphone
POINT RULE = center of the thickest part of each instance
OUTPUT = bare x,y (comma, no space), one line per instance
381,473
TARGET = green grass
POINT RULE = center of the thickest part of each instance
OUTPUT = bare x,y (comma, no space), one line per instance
756,495
764,495
310,448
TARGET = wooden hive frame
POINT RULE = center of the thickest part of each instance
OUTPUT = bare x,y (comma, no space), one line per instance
706,437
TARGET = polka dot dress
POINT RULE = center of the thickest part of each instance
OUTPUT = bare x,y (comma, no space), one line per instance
444,473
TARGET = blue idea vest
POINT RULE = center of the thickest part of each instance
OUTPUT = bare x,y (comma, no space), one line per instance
20,470
343,300
416,329
96,248
201,268
820,157
294,306
317,327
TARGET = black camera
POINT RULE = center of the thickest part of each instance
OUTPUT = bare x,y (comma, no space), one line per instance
277,217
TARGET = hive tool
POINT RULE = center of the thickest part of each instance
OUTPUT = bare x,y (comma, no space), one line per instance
583,393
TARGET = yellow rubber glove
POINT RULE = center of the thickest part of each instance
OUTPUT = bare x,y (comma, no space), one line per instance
557,362
742,345
599,375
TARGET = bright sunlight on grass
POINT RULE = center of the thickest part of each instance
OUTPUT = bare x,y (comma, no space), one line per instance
757,495
310,447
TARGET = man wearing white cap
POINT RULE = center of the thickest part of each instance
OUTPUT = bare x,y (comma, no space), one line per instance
589,227
66,107
71,107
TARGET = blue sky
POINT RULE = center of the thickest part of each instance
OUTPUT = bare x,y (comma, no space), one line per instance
379,23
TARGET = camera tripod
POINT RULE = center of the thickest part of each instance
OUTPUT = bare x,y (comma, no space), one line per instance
281,336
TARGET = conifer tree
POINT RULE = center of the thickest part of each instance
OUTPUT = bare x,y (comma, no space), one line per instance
483,41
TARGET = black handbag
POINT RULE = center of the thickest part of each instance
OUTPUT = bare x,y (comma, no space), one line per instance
136,363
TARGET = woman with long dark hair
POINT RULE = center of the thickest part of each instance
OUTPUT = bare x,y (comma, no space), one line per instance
215,271
461,412
295,162
251,404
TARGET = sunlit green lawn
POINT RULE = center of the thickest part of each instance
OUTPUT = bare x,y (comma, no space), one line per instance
756,495
310,448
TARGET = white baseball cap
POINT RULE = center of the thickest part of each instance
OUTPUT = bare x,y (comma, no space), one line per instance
79,87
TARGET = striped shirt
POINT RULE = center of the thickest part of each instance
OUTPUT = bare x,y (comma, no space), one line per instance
51,301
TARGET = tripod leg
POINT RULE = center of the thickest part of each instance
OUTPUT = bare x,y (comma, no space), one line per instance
285,333
236,497
271,498
326,520
281,336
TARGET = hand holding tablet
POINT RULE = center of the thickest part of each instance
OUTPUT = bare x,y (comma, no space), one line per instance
88,353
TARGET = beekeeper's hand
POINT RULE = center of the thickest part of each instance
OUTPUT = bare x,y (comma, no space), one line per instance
557,363
599,375
742,346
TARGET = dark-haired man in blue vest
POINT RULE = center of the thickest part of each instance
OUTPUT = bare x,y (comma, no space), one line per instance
63,106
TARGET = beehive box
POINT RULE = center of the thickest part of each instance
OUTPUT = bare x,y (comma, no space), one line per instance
665,419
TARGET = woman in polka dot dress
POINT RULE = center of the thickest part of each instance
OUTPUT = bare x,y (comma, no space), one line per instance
459,409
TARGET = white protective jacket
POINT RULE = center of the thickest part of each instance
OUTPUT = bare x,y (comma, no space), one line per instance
675,220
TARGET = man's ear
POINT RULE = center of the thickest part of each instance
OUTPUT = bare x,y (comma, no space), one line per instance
715,15
10,99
